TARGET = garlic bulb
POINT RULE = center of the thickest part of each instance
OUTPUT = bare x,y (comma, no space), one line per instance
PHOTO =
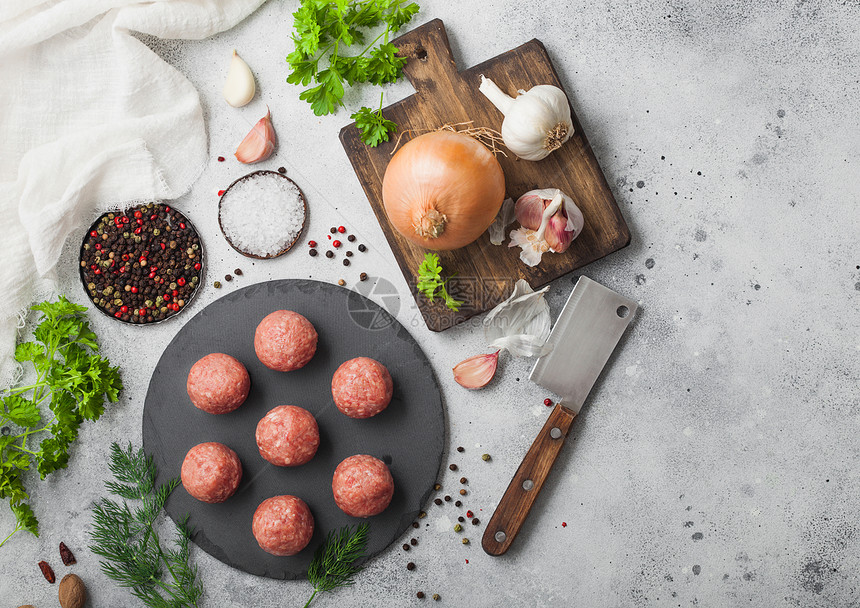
550,221
240,87
259,143
536,122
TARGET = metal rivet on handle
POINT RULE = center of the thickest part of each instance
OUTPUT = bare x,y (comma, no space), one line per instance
528,484
555,433
500,536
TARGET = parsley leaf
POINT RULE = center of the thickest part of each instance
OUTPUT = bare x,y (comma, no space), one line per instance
431,284
323,31
73,382
374,127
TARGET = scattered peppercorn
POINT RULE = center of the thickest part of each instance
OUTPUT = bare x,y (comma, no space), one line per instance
564,524
436,597
437,486
335,243
465,541
362,248
329,254
447,498
238,272
458,504
406,547
410,566
420,595
351,238
469,513
217,284
475,521
228,277
341,282
362,276
333,229
458,528
485,457
221,192
547,402
414,524
312,253
312,243
461,519
463,492
341,229
220,159
349,254
453,467
345,262
422,515
463,480
282,170
461,449
413,541
438,501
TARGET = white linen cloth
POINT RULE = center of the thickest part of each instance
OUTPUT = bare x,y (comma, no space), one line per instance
90,118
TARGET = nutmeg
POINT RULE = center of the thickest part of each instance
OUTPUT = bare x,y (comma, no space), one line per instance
73,593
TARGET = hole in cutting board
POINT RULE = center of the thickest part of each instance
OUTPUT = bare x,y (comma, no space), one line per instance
622,311
421,54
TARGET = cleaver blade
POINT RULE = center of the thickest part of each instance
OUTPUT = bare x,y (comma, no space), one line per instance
584,336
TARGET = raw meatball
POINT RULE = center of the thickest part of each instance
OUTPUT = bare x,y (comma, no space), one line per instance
211,472
218,383
362,486
285,341
361,387
288,436
283,525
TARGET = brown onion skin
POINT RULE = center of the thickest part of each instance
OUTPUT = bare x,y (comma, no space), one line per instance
450,173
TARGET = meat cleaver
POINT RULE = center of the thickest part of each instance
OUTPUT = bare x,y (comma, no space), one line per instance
585,334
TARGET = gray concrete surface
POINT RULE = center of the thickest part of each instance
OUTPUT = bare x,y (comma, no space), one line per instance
715,462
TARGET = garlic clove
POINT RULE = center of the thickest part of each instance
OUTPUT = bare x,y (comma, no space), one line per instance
239,88
259,143
477,371
529,210
557,236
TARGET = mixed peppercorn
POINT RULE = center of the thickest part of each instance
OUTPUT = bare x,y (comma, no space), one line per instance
143,265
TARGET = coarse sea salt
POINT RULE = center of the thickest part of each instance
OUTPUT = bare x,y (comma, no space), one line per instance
262,214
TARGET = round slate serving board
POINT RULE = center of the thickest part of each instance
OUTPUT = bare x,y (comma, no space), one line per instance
408,435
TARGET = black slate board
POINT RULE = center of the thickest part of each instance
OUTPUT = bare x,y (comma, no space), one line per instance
409,435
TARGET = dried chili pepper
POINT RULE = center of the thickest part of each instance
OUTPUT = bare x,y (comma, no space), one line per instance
47,572
66,555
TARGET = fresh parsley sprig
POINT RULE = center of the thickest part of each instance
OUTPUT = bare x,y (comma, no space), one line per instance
72,380
323,34
431,284
333,564
126,537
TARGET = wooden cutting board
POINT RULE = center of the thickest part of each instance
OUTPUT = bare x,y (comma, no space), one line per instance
486,273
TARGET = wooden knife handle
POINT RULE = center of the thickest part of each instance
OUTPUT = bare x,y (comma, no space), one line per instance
527,482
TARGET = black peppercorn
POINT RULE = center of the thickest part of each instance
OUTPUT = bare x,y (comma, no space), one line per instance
458,504
238,272
410,566
312,253
461,449
345,262
228,277
438,501
475,521
351,238
463,480
413,541
282,170
453,467
329,254
414,524
349,254
362,248
447,499
461,519
406,547
333,229
420,595
362,276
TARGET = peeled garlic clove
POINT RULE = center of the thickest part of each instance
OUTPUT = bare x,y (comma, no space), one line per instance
240,87
476,372
259,143
529,210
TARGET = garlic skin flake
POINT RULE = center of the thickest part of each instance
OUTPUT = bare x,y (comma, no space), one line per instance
240,87
504,217
536,122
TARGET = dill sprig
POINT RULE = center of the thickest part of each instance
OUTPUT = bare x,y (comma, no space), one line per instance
333,564
126,537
